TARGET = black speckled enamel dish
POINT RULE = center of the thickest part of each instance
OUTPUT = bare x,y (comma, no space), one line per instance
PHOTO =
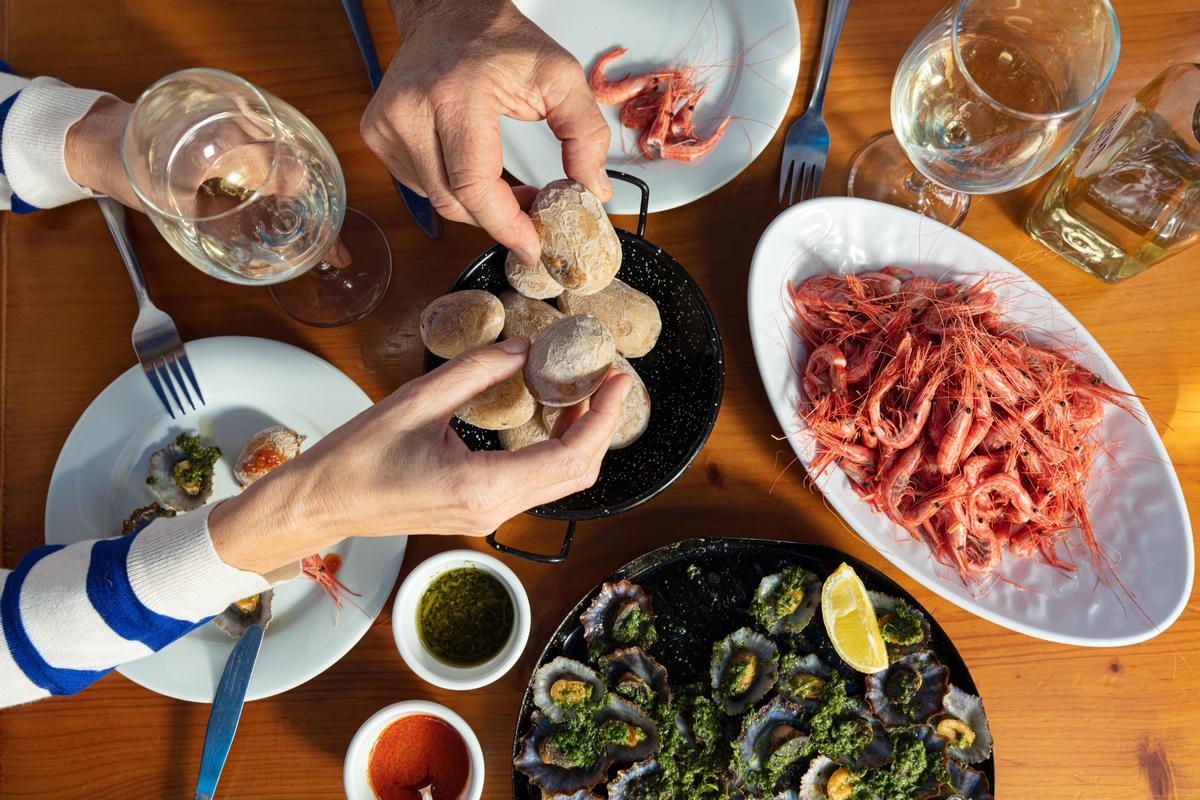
684,373
695,607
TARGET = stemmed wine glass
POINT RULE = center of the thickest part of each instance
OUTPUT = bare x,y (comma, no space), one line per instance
247,189
990,96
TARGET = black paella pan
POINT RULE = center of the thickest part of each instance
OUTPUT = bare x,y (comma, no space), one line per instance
694,608
684,374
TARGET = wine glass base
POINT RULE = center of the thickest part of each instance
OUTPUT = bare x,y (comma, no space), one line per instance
326,297
881,171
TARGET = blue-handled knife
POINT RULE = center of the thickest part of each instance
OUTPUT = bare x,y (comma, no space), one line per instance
227,710
420,208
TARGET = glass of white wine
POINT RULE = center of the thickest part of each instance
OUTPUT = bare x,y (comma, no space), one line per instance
990,96
247,189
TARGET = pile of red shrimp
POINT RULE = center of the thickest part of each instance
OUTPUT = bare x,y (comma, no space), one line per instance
946,419
661,104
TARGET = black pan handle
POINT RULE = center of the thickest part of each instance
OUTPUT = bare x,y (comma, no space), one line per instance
643,188
541,558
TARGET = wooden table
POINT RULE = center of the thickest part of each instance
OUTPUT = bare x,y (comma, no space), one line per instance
1069,722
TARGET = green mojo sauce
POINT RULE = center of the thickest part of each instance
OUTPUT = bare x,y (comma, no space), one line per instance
465,617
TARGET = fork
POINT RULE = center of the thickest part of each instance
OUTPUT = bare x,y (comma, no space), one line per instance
155,338
807,144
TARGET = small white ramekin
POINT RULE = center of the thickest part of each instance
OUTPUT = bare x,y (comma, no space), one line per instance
408,640
354,770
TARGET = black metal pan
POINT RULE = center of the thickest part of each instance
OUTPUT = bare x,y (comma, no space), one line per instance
684,374
693,611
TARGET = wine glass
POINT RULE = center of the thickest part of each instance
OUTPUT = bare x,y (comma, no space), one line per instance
247,189
990,96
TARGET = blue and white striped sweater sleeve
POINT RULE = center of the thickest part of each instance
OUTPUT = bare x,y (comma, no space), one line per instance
71,614
35,116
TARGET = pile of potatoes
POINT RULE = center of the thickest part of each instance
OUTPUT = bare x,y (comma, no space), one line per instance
599,323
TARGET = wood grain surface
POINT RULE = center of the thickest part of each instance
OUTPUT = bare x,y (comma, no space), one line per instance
1069,722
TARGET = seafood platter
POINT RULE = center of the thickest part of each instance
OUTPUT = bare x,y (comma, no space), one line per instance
125,464
964,424
679,371
704,670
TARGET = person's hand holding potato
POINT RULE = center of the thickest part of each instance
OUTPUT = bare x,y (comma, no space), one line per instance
435,119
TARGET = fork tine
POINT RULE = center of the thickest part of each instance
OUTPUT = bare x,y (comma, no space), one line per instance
182,358
818,174
165,377
784,173
169,360
152,376
797,180
806,187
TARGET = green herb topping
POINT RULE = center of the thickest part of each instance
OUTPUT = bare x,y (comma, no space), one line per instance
465,616
194,472
901,626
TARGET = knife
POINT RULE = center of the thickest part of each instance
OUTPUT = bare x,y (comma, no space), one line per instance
420,208
227,710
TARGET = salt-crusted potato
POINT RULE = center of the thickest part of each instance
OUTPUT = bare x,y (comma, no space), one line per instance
580,249
506,405
568,360
456,322
531,280
635,415
526,317
631,316
531,432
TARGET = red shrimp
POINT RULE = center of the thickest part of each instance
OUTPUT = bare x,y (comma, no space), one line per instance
613,92
692,149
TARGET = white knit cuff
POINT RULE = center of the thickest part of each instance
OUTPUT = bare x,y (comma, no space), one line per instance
34,139
175,571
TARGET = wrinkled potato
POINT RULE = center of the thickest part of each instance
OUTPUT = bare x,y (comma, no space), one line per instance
568,360
580,248
635,415
531,432
526,317
531,280
506,405
456,322
631,316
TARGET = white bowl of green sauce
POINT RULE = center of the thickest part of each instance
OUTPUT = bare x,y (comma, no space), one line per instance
461,619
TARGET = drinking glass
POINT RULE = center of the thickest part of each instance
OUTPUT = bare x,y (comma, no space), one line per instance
247,189
990,96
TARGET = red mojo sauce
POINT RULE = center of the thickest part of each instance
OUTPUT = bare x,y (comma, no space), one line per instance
413,748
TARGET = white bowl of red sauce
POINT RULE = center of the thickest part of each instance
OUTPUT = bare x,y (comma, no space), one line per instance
461,619
401,747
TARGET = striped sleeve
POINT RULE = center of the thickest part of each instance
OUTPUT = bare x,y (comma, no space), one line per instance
71,614
35,116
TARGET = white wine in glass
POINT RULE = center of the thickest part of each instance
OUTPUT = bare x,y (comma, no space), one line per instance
990,96
247,189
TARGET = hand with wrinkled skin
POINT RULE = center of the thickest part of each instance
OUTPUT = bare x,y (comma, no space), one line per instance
435,120
399,468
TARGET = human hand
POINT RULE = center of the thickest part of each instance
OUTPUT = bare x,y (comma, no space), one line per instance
92,153
435,119
399,468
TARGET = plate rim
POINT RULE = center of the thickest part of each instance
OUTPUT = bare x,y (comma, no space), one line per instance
838,206
385,545
752,154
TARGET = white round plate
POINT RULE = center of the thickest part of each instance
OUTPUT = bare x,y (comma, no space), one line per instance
1137,508
712,34
248,384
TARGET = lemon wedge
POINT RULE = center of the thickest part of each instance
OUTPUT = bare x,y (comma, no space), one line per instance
850,621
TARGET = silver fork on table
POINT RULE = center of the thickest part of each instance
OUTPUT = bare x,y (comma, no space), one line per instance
155,338
807,144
